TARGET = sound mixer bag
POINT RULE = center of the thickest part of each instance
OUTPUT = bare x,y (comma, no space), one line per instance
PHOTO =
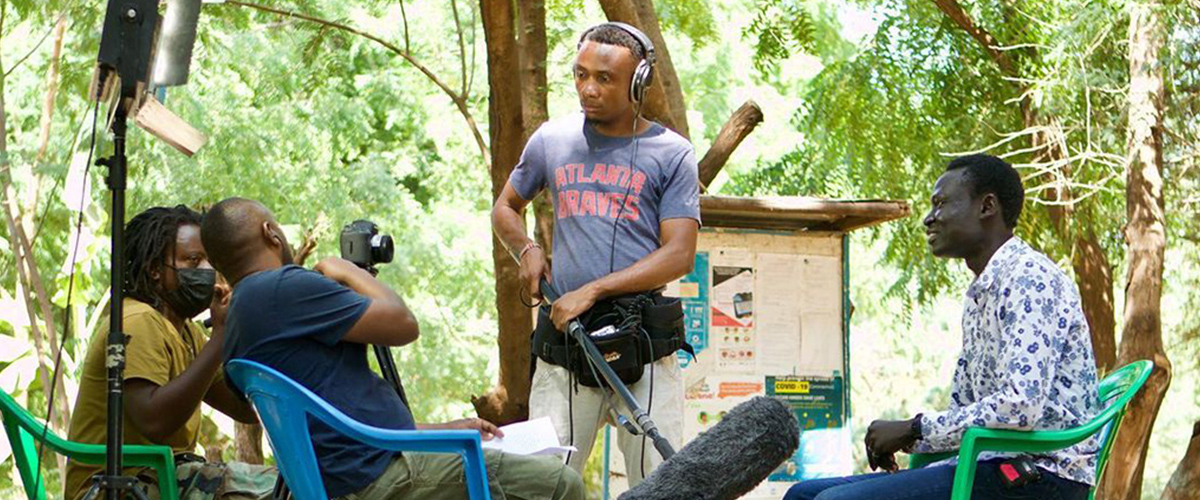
631,331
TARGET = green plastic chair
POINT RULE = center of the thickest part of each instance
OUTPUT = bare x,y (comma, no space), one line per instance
1119,387
24,432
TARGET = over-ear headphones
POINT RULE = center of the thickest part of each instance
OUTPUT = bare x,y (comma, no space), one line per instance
644,73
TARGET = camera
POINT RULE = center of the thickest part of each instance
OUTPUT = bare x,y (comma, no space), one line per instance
362,244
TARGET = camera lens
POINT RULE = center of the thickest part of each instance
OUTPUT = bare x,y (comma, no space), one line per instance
382,248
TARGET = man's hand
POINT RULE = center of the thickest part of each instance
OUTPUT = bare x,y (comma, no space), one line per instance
218,309
487,430
533,269
884,439
338,269
571,305
886,463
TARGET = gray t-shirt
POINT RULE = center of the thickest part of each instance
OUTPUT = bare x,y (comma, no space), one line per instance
588,176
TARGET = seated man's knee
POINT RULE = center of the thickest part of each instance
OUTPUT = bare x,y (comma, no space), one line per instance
817,489
805,490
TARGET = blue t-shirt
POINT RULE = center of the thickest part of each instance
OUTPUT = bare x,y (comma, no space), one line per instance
588,175
293,320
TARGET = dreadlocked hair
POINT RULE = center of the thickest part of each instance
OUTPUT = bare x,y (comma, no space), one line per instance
149,242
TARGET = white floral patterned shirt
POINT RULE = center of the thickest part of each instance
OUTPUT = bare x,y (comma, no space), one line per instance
1027,362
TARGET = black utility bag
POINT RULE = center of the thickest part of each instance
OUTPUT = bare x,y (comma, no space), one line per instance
631,331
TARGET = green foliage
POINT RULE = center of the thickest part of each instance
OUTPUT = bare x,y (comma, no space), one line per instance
884,122
780,28
693,18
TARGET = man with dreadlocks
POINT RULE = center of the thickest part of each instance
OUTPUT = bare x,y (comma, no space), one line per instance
170,364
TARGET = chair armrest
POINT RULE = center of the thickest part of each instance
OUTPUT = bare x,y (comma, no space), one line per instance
140,455
979,439
1008,440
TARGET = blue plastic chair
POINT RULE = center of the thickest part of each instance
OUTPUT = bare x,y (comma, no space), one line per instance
284,405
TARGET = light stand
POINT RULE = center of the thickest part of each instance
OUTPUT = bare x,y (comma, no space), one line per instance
125,50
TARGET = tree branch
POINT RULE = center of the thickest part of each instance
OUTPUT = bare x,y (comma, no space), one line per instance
462,50
404,18
460,101
740,124
27,273
956,13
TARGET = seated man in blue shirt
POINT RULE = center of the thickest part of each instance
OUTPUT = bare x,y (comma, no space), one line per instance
314,327
1026,361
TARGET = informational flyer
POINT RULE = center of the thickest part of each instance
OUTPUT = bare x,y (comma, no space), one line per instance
707,401
819,404
732,296
692,291
736,349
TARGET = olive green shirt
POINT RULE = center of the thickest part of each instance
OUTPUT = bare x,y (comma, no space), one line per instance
156,352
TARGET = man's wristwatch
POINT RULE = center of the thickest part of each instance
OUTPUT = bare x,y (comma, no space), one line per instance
915,432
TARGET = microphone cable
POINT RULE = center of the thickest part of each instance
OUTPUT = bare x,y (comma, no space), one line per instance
612,256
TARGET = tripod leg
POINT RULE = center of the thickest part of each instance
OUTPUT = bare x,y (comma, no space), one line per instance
281,490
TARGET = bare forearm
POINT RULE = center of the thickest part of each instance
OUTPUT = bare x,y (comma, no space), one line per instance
162,410
220,397
653,271
510,227
365,284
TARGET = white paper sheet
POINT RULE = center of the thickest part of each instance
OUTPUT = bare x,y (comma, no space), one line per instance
780,291
821,349
822,274
532,437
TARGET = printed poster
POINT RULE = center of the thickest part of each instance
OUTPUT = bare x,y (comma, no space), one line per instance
819,406
732,296
692,291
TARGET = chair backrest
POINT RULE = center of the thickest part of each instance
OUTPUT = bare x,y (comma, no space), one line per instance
24,431
283,406
1116,391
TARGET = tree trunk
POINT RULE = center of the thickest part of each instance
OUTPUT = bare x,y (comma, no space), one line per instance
1185,482
664,99
509,400
60,30
532,45
1145,236
248,439
1094,277
743,121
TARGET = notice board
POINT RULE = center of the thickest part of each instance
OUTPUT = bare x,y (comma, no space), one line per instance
766,312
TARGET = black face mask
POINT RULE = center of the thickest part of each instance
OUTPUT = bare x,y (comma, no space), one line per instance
194,292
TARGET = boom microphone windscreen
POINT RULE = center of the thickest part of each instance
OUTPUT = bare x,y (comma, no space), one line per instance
728,460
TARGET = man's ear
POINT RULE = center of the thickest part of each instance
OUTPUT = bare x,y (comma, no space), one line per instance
989,206
268,234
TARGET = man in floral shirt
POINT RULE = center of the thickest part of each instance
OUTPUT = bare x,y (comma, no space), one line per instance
1026,363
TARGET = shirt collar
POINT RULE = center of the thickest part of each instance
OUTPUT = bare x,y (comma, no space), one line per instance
1010,249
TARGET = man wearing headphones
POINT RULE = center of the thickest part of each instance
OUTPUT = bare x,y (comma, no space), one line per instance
625,192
